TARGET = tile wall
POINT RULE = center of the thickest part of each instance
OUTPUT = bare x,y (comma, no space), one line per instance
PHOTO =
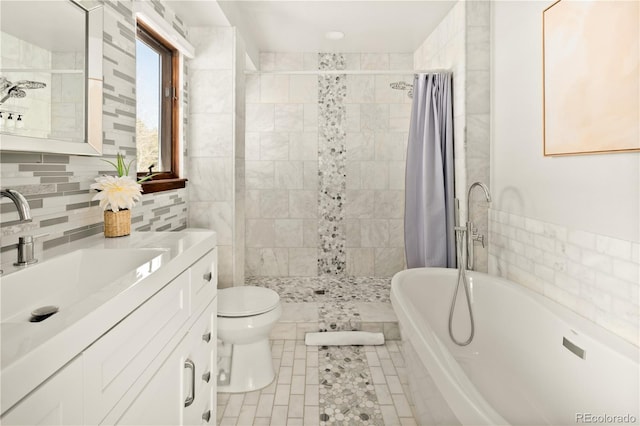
57,186
216,149
594,275
67,96
332,162
288,163
282,168
377,131
460,43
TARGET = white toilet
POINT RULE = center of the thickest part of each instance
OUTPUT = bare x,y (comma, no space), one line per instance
246,315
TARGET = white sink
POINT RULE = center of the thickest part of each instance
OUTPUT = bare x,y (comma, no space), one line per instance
66,280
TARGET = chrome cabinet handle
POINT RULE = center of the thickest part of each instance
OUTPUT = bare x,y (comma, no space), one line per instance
206,337
207,277
188,364
206,416
206,377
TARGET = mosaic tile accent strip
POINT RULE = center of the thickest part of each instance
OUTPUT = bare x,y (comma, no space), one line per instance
332,159
347,393
331,289
338,316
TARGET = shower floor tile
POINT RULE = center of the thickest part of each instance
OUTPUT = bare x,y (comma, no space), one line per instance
330,303
319,289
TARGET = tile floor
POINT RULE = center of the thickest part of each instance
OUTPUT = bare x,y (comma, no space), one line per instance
354,385
338,385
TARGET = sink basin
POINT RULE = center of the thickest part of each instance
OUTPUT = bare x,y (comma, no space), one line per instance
66,280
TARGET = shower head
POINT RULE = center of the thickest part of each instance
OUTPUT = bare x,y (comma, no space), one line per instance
29,84
17,93
17,90
401,85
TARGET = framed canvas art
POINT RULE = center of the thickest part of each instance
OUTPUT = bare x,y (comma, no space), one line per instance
591,77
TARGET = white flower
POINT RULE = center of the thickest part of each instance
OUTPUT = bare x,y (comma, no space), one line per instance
117,192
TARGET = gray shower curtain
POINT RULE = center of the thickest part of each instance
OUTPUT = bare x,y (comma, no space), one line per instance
429,197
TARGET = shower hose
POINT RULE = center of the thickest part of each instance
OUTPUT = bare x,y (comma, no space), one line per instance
462,277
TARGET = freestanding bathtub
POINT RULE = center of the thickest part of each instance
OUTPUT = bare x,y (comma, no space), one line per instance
524,366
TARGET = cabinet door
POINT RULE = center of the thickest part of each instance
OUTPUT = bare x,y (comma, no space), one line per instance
58,401
186,373
124,359
160,402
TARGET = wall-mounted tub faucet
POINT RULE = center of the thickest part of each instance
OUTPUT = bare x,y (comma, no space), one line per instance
472,233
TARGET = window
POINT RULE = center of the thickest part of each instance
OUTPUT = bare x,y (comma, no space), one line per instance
157,111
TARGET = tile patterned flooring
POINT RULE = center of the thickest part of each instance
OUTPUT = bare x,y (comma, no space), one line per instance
331,303
341,385
336,385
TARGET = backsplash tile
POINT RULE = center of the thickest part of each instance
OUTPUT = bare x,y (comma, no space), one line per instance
594,275
57,186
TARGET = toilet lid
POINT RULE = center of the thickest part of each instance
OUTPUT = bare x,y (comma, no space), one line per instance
245,301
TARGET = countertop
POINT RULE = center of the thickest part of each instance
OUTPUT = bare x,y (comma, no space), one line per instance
31,352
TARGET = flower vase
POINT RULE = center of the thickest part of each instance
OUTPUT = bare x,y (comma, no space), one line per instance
117,224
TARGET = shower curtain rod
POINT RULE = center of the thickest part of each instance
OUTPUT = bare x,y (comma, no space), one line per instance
334,72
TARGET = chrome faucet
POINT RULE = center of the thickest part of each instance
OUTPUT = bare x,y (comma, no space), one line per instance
20,202
472,233
25,244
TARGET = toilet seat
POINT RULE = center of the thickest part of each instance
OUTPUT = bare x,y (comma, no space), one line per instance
246,301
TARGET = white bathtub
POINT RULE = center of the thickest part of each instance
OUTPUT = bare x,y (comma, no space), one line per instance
517,370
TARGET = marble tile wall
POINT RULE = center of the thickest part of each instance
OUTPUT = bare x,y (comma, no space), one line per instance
477,156
67,96
460,43
216,151
284,209
593,275
377,131
282,168
57,186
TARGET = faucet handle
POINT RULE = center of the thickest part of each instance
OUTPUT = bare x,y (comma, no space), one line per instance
479,237
27,239
26,250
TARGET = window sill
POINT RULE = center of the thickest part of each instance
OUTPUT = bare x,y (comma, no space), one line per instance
160,185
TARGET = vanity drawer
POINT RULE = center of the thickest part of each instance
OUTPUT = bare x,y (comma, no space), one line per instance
204,280
129,351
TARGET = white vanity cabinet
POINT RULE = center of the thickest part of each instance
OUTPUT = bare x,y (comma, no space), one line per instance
55,402
181,391
154,367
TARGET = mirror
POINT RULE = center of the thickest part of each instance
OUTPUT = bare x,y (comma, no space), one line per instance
51,76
